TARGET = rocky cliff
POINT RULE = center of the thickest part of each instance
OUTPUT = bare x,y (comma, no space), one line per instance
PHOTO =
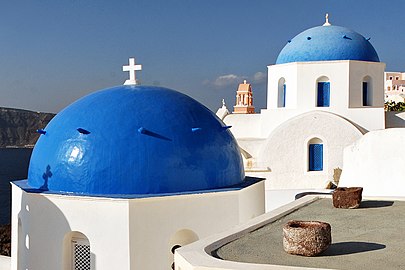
18,127
5,240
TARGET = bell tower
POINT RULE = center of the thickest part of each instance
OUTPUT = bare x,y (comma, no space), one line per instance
244,99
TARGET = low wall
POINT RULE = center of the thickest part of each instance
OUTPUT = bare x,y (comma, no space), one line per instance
5,262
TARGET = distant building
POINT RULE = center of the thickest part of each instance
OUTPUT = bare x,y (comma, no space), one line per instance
244,99
394,86
324,92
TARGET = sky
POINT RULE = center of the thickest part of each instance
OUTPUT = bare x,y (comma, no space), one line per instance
53,52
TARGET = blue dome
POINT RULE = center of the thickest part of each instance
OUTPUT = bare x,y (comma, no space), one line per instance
135,140
324,43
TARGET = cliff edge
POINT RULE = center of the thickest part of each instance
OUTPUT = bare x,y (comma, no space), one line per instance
18,127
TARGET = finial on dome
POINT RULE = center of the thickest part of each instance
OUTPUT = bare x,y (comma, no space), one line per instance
244,81
132,68
327,20
223,103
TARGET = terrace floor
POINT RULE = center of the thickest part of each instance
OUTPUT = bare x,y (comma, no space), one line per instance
369,237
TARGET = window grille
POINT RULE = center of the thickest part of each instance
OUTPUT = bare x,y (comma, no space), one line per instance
81,254
316,157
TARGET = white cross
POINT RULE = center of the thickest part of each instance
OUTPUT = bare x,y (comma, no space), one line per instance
132,68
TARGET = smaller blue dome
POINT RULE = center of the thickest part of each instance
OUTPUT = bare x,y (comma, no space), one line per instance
135,140
326,43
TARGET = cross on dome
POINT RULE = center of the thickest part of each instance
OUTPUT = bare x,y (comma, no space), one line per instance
132,68
327,20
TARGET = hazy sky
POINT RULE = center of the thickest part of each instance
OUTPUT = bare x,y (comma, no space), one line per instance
54,52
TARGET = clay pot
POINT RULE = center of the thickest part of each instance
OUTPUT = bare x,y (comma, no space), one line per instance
347,197
306,238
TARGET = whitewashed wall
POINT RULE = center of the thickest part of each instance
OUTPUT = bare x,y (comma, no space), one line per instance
123,233
286,150
376,163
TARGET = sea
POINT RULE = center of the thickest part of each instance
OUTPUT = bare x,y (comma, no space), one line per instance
13,166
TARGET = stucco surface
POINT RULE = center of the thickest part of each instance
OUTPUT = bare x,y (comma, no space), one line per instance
285,152
345,79
5,263
123,233
376,163
394,119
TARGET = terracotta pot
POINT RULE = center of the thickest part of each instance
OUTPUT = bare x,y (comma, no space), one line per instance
306,238
347,197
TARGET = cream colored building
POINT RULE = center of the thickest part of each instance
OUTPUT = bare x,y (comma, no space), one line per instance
394,86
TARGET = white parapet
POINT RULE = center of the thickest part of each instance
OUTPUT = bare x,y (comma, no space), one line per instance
5,263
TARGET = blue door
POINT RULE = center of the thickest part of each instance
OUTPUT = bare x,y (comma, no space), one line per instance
316,157
365,94
323,94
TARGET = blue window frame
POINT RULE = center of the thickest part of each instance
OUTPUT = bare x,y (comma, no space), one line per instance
365,94
315,157
323,99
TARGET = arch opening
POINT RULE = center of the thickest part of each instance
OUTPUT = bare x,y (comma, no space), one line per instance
282,93
367,91
179,239
76,251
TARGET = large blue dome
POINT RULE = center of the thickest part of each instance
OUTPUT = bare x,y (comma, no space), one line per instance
135,140
324,43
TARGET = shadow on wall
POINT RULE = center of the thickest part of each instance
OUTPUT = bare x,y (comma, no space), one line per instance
44,229
394,119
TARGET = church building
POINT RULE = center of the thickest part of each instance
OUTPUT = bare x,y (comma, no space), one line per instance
324,92
123,177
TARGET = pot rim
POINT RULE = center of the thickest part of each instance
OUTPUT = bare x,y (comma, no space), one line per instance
303,224
348,189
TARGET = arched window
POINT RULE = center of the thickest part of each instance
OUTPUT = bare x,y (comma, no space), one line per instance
282,93
323,92
315,155
367,92
76,251
179,239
